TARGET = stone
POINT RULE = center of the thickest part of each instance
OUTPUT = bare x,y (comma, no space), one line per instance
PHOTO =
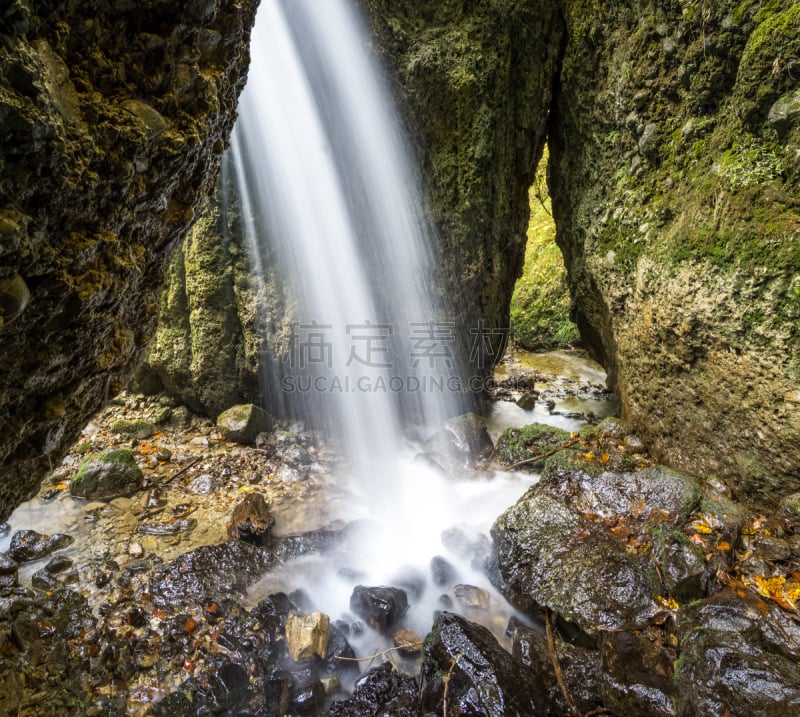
208,574
203,484
27,545
785,112
730,659
381,607
580,668
307,635
637,675
548,555
527,401
380,691
466,438
442,571
137,428
482,678
108,475
472,597
242,423
14,297
251,520
407,642
57,564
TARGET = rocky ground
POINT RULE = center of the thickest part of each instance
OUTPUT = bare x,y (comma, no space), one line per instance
640,590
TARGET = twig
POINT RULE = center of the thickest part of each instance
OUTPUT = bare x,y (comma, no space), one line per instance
541,456
446,681
370,658
182,470
551,647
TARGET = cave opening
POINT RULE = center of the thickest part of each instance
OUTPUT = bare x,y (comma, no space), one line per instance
540,304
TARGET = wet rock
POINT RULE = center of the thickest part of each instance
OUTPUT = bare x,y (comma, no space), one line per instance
48,644
251,520
229,685
442,571
785,112
580,668
309,698
527,401
27,545
471,596
8,566
108,475
637,675
381,606
58,564
515,444
382,691
42,580
331,685
407,642
208,574
463,439
204,484
633,443
548,555
307,635
243,423
14,297
682,564
167,527
770,548
733,659
482,678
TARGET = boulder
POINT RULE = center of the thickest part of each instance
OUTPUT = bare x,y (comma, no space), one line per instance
108,475
27,545
243,423
381,607
307,635
381,691
737,656
465,667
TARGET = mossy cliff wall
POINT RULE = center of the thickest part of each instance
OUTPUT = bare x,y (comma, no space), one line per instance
675,165
474,84
113,116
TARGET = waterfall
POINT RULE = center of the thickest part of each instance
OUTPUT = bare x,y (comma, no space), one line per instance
329,193
326,183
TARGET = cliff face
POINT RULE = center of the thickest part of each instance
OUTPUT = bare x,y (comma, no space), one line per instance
675,164
474,84
113,117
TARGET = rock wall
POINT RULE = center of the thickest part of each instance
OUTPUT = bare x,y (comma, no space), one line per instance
675,163
113,116
473,82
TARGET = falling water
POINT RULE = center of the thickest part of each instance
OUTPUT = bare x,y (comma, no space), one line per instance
328,192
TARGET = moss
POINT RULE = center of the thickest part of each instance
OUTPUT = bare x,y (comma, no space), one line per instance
539,314
122,456
517,444
137,428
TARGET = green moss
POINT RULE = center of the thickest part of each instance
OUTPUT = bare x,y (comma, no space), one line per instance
540,303
122,456
517,444
138,428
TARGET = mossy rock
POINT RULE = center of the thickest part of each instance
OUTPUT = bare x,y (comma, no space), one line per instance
243,423
107,475
517,444
136,428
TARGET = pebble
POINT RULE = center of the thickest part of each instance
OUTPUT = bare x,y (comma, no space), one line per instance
136,550
204,484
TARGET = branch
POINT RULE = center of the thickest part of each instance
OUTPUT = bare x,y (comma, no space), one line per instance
551,647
